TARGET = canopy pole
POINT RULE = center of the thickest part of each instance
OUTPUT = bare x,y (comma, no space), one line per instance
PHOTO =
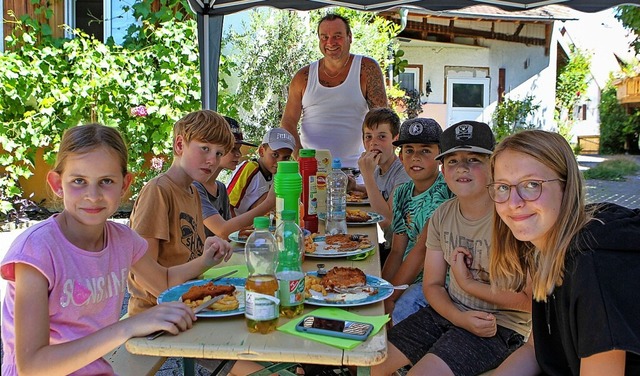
209,40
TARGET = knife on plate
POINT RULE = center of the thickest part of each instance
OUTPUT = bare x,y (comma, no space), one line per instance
222,276
208,303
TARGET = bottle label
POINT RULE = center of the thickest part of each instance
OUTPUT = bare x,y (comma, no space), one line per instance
312,199
279,209
321,192
321,181
261,307
291,288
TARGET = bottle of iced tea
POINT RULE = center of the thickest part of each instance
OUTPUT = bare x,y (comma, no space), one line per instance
261,289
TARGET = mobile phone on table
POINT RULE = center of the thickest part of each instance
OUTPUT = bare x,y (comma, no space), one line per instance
335,328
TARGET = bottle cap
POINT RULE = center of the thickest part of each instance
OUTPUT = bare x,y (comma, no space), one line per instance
261,222
336,163
307,153
289,214
287,166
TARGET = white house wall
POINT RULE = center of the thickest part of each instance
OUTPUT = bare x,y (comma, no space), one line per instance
528,72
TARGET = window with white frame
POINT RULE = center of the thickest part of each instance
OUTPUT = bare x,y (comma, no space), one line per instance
100,18
410,78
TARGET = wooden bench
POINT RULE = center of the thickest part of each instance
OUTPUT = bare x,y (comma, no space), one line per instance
126,364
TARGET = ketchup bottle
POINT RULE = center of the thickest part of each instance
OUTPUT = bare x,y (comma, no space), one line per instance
308,170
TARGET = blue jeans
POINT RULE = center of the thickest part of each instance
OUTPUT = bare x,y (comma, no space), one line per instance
409,302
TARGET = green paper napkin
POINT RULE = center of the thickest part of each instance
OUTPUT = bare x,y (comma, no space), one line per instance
335,313
362,256
242,271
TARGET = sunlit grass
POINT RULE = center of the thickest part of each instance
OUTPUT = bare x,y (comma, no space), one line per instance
613,169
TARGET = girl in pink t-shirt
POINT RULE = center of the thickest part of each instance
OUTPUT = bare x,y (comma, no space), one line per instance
67,275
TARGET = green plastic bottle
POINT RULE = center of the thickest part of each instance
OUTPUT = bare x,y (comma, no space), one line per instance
287,184
290,241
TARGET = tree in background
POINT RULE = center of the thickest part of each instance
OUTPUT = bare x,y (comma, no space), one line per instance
512,116
620,128
629,15
571,84
273,45
613,120
50,84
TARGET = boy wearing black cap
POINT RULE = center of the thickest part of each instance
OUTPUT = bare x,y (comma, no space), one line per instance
214,197
413,204
467,328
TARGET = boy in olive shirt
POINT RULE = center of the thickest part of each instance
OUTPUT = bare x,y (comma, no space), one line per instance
467,328
167,213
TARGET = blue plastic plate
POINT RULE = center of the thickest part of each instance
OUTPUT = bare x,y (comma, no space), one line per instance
351,300
175,294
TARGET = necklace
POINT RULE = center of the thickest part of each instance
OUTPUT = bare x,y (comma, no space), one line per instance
324,69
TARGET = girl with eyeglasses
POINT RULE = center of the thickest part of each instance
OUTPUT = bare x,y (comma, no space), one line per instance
584,260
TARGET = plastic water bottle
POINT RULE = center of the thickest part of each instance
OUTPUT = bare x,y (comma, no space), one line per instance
290,276
336,222
262,306
323,158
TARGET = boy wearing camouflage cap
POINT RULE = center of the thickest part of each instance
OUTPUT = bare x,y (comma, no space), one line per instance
413,203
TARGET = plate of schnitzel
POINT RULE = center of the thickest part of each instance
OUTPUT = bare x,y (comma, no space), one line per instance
357,217
340,245
242,235
357,198
193,293
320,291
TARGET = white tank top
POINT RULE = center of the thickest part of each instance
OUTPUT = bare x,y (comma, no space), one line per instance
332,116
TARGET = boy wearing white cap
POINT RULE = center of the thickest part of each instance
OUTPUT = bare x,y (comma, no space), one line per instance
251,181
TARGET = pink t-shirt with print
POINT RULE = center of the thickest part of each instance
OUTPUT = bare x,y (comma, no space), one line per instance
86,289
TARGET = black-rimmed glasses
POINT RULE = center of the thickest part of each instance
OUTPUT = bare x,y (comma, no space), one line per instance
528,190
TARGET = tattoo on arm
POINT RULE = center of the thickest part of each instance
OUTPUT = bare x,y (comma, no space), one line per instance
376,95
